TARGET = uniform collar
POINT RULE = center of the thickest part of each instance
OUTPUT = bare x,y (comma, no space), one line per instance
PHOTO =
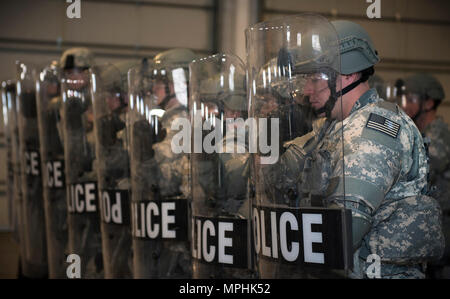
369,97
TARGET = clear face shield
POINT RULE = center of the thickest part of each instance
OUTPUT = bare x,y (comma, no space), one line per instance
159,175
33,208
394,92
411,103
81,171
293,82
7,125
9,95
49,109
219,135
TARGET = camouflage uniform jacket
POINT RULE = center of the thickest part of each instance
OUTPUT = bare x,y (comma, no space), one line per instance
384,164
439,152
173,169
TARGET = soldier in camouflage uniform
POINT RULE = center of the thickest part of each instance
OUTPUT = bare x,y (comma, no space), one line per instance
383,162
110,99
423,95
219,179
385,173
52,159
159,176
80,165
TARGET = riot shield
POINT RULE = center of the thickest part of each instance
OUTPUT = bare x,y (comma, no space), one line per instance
159,176
81,170
220,223
395,92
49,110
293,69
110,100
33,203
10,92
7,109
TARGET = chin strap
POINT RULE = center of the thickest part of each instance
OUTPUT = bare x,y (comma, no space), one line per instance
165,101
329,105
349,88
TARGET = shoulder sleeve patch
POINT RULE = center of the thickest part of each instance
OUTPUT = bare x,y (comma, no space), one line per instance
388,106
382,124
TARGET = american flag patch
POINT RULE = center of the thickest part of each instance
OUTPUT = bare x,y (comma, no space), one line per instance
383,125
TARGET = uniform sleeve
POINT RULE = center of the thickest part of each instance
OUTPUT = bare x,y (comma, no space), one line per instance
371,167
439,149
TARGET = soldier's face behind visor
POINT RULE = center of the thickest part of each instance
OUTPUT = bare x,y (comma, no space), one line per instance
316,90
76,78
411,104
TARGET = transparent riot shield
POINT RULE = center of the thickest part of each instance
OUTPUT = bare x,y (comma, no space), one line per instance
49,110
9,91
397,93
220,223
159,175
110,100
293,67
33,203
8,131
81,172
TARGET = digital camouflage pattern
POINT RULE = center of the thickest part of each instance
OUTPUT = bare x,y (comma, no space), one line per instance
439,157
439,153
385,187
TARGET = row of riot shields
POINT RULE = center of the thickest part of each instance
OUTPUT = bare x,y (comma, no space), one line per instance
181,167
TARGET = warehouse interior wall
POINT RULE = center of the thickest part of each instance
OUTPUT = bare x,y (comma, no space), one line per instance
411,35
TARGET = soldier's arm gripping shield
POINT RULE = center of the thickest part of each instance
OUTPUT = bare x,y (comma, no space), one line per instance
49,107
80,165
33,204
220,221
110,100
159,176
293,65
